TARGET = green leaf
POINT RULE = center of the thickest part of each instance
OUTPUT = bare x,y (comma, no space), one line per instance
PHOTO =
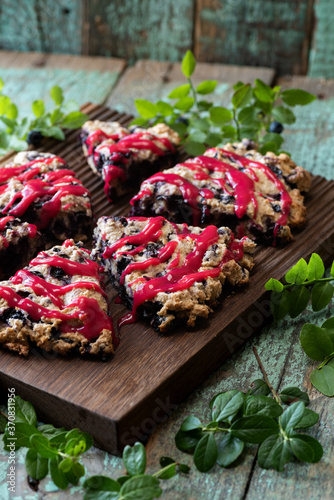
134,459
323,380
206,87
38,108
290,394
180,128
315,342
36,466
280,304
56,94
4,103
184,104
181,91
292,415
164,461
1,84
229,449
101,483
55,132
142,487
294,97
227,405
247,115
206,453
184,468
70,106
139,121
197,136
191,423
242,96
274,452
332,269
188,64
306,448
41,444
220,115
262,405
259,388
11,111
254,429
202,124
164,108
24,411
321,296
299,298
298,273
268,147
22,435
316,267
274,285
78,469
195,148
204,105
283,115
213,139
308,419
273,137
74,120
66,465
145,108
263,92
58,476
187,441
168,473
229,132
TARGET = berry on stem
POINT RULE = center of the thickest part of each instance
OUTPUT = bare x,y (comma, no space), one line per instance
34,138
276,127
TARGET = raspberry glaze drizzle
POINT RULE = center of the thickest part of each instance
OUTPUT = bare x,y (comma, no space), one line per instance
177,277
93,320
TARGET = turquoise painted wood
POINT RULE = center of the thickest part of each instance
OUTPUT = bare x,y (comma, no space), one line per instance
45,26
26,85
137,29
322,52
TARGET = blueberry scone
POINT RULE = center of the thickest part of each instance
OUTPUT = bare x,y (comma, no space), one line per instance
40,189
57,304
123,158
170,273
19,242
259,196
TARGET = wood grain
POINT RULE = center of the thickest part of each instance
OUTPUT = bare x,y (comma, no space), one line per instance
123,400
137,29
270,33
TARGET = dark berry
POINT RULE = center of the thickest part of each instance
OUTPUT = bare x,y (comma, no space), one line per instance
34,138
182,119
276,127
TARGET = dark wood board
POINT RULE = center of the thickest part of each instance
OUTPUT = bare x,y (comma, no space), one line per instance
122,400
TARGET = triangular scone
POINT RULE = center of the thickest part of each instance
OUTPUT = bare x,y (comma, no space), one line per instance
40,189
124,157
235,186
56,303
170,273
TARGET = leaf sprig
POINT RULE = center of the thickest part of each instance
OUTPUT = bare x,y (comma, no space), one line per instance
57,452
255,418
305,281
15,131
256,112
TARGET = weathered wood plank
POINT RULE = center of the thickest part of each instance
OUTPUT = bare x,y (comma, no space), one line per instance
272,33
153,80
30,76
322,51
137,29
41,25
311,139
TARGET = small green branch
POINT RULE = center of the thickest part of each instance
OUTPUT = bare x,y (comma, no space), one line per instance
193,91
307,283
264,373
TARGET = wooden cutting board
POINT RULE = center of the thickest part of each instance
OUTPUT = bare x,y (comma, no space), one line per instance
123,399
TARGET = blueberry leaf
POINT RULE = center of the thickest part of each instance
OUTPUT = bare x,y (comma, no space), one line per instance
229,449
188,64
145,108
308,419
259,387
37,466
227,405
292,415
220,115
254,428
315,342
181,91
294,97
290,394
299,298
323,380
206,87
191,423
306,448
283,115
274,285
205,454
298,273
262,405
316,267
141,487
321,296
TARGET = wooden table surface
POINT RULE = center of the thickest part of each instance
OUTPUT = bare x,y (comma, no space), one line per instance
311,142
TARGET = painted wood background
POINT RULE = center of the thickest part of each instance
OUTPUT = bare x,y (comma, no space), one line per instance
292,36
311,143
